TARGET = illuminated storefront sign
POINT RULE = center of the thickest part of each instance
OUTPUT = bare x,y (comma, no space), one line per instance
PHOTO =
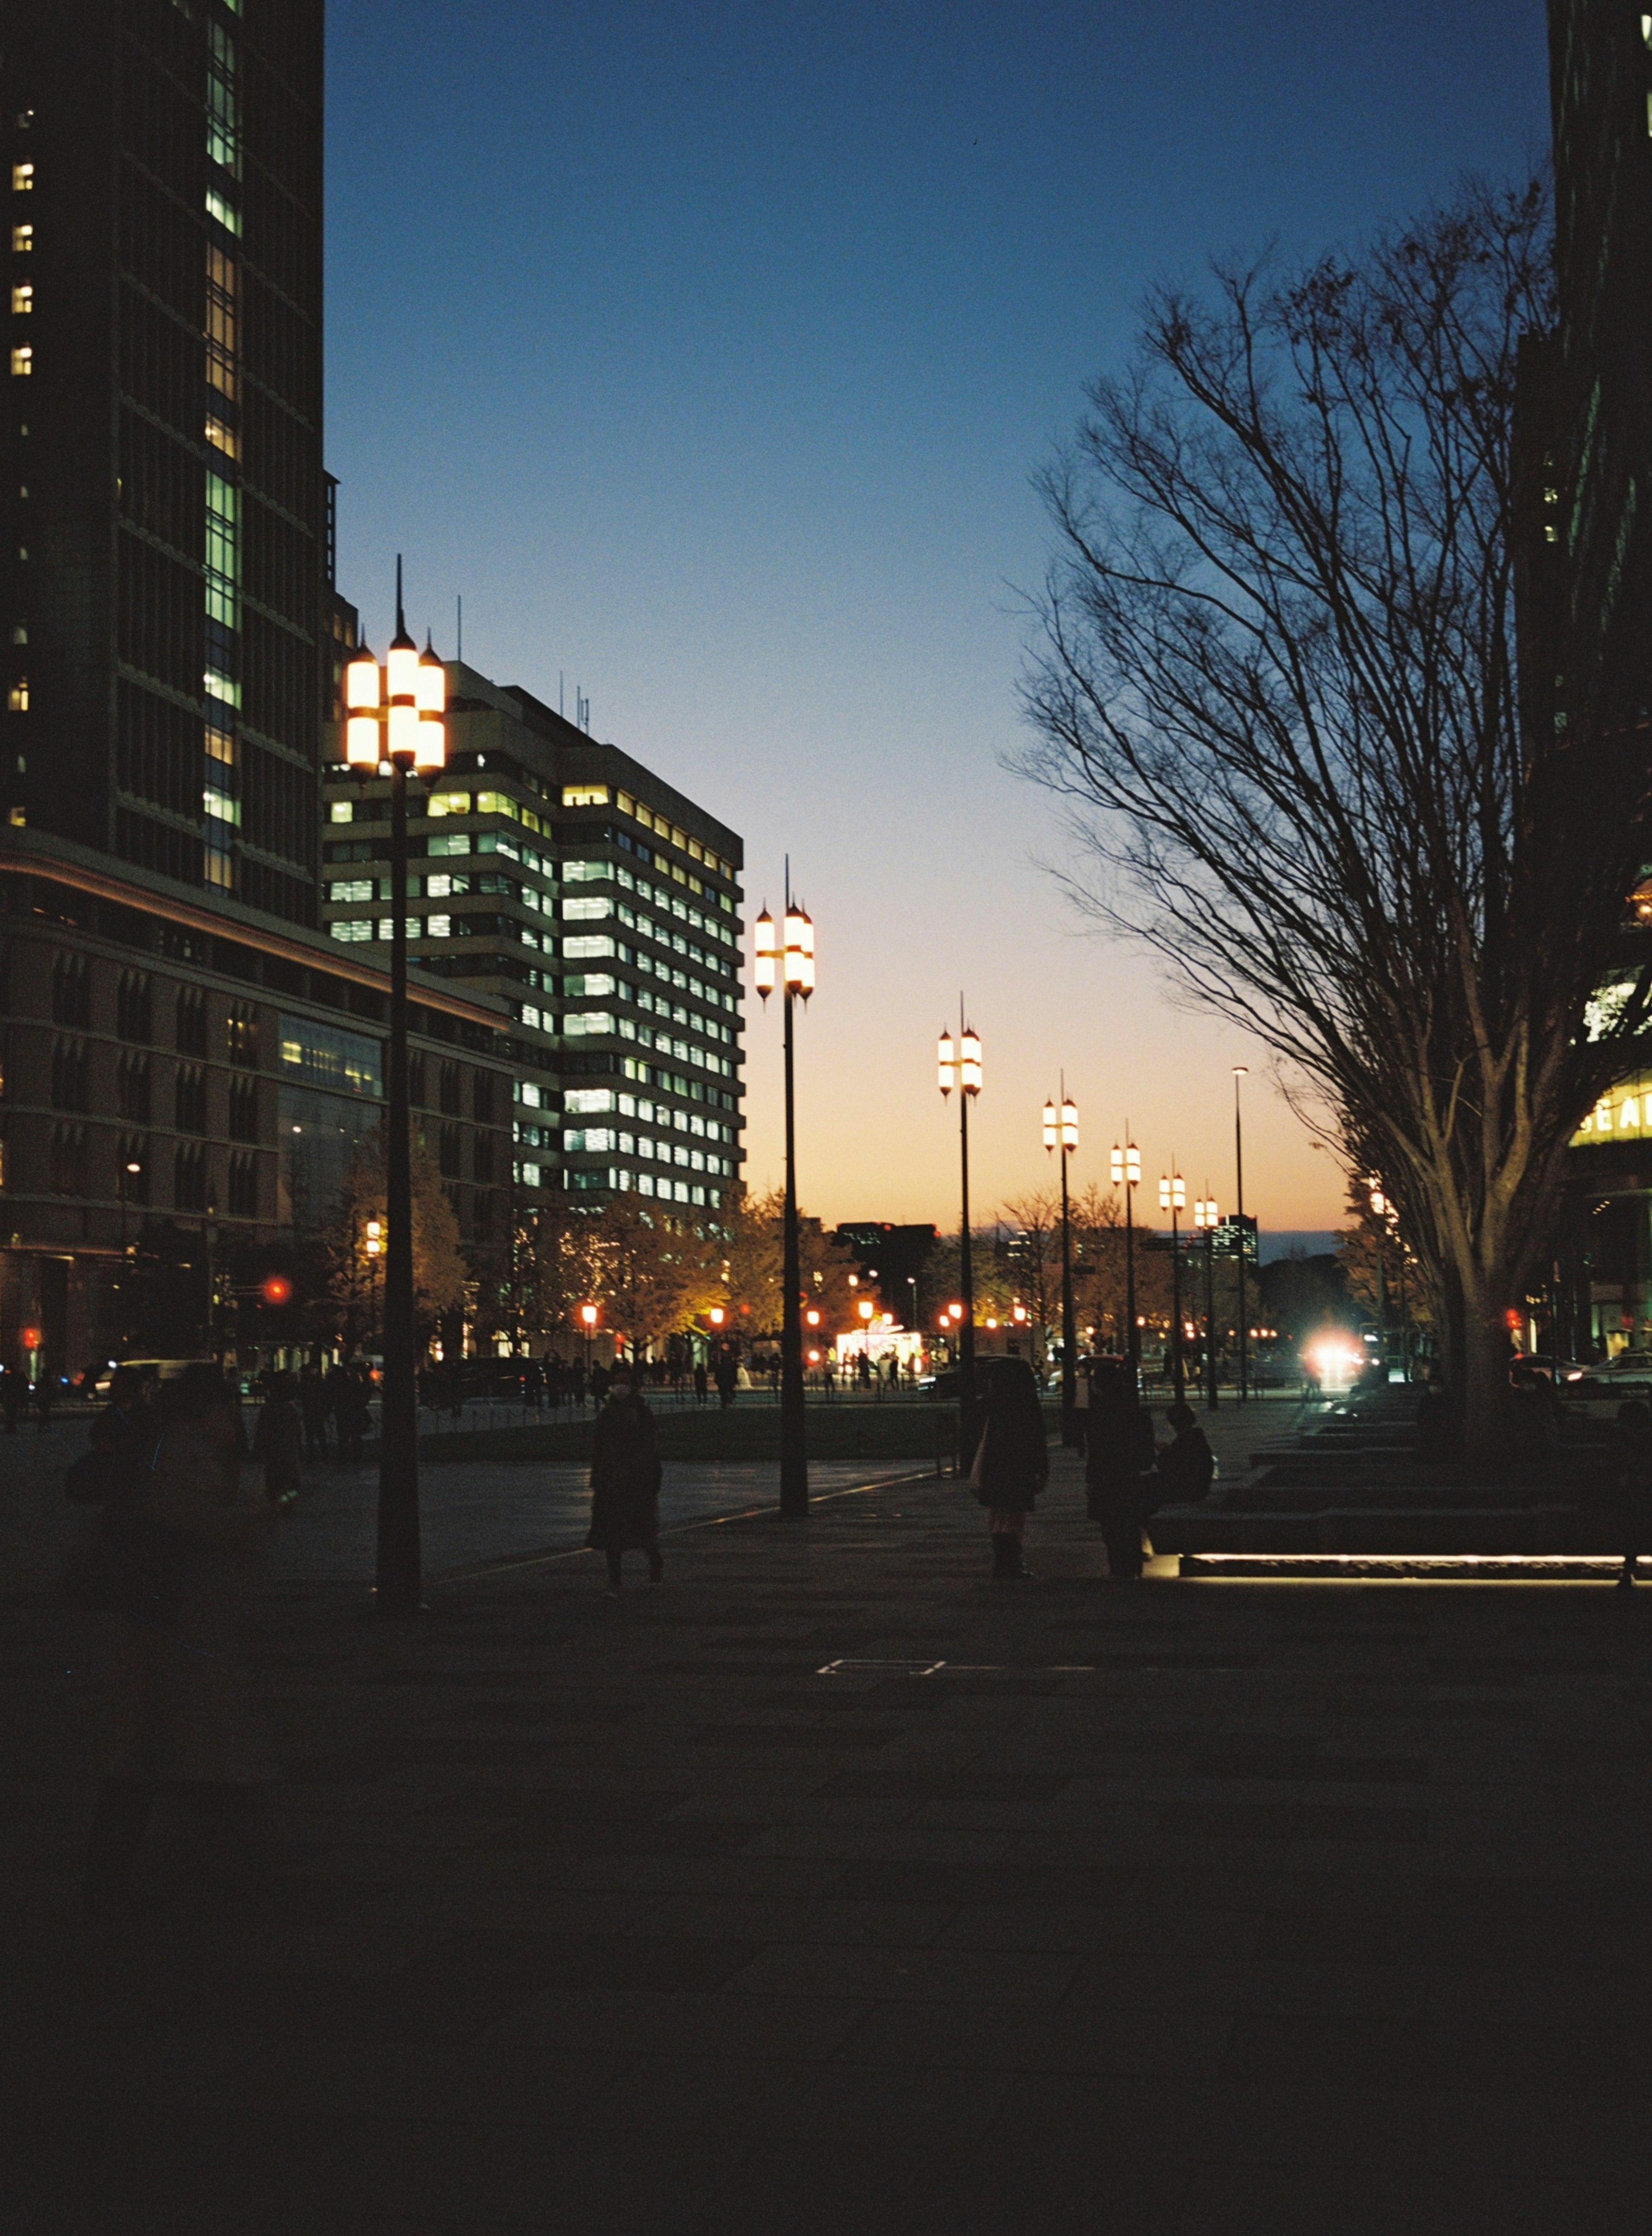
1625,1114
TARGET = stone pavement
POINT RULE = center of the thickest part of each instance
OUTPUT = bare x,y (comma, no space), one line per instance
834,1888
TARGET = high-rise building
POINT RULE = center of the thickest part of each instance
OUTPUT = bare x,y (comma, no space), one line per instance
165,567
602,906
1584,492
186,1061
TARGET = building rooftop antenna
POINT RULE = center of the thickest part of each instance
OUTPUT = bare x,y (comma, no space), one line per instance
459,627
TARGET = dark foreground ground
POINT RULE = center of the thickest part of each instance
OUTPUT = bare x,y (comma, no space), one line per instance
1203,1908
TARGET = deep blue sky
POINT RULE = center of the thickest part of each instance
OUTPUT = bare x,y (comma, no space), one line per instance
708,350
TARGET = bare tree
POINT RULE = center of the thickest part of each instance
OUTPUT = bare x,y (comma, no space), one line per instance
1276,685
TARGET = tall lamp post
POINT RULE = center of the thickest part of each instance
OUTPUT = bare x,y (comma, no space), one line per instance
1206,1219
588,1321
1126,1174
375,1258
958,1064
1241,1071
394,721
789,957
1063,1131
1173,1198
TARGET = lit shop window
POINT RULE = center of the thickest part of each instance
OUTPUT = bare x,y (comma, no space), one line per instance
22,301
23,363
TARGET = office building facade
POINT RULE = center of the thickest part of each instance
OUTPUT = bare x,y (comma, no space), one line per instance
601,907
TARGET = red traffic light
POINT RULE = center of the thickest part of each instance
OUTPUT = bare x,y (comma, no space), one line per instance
276,1289
30,1338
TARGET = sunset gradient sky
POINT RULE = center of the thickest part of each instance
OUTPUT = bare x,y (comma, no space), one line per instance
708,350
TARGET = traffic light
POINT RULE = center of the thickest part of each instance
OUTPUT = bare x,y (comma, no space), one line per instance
275,1289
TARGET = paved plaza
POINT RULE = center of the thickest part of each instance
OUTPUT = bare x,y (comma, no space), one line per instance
831,1887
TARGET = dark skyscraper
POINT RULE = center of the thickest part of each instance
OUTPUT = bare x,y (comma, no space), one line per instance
165,557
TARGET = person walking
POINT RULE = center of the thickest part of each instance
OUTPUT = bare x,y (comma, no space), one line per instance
1632,1478
1011,1462
1118,1457
174,1721
625,1481
278,1441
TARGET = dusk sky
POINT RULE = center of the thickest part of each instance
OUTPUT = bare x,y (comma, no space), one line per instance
708,350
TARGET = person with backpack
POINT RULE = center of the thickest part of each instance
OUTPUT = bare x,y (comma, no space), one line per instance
625,1481
174,1723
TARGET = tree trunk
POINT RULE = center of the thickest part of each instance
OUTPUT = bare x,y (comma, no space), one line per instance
1482,1337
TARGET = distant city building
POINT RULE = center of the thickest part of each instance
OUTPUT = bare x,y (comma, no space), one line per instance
602,906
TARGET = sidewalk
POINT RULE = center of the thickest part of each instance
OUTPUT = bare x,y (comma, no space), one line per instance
833,1888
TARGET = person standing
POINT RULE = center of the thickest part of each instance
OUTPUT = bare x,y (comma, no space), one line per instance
312,1404
625,1481
701,1382
174,1721
727,1376
278,1441
1011,1463
1118,1459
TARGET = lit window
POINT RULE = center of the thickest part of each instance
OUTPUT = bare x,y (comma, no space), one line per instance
22,301
221,745
17,697
584,795
214,802
20,635
23,178
496,802
222,208
340,811
18,819
217,866
222,436
579,1023
350,889
527,1175
449,803
23,363
353,930
529,1014
439,927
23,239
219,686
586,907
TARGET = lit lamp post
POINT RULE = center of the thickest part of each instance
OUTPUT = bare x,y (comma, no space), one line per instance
588,1321
958,1064
1173,1198
375,1252
1126,1174
1241,1071
788,959
1206,1218
393,717
1063,1130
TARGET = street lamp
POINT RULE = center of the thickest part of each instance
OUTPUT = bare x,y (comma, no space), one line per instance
1173,1198
958,1065
375,1252
788,957
1241,1071
393,718
588,1321
1126,1174
1207,1218
1062,1129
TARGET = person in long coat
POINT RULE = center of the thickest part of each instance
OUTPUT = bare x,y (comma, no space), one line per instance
1187,1466
1011,1460
175,1719
625,1481
1118,1460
